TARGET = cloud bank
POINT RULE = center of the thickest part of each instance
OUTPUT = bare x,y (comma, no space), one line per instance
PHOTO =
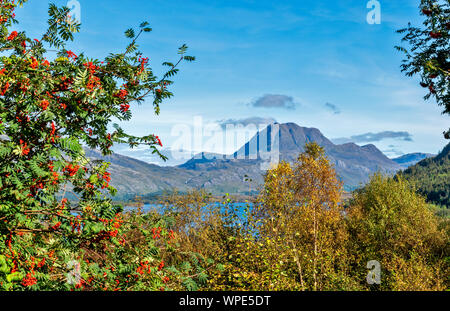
333,108
275,101
246,121
374,137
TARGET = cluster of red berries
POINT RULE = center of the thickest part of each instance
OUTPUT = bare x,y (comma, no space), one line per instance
65,83
93,81
12,36
29,280
41,263
4,89
124,107
107,178
158,141
34,63
44,104
113,233
429,86
91,67
24,148
427,12
435,35
23,85
161,265
144,267
37,185
115,223
52,133
71,170
71,54
76,224
56,226
156,233
143,61
121,94
171,234
55,176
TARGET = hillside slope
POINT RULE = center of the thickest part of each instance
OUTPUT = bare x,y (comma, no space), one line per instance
131,176
432,177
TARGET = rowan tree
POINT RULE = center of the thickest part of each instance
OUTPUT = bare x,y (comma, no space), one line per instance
429,50
53,103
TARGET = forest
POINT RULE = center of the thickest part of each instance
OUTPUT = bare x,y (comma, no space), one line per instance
431,177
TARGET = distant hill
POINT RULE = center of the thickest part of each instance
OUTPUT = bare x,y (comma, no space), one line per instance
410,159
131,176
432,177
227,173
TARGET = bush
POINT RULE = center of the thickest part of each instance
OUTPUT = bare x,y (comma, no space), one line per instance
389,222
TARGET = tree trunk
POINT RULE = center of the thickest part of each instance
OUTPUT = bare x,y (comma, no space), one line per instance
315,251
299,265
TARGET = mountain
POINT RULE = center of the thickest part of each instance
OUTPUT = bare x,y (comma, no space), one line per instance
432,177
243,171
353,163
410,159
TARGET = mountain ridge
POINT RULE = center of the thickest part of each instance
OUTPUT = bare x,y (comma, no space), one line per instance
411,159
220,174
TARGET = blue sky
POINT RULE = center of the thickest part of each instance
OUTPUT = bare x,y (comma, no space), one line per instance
338,73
